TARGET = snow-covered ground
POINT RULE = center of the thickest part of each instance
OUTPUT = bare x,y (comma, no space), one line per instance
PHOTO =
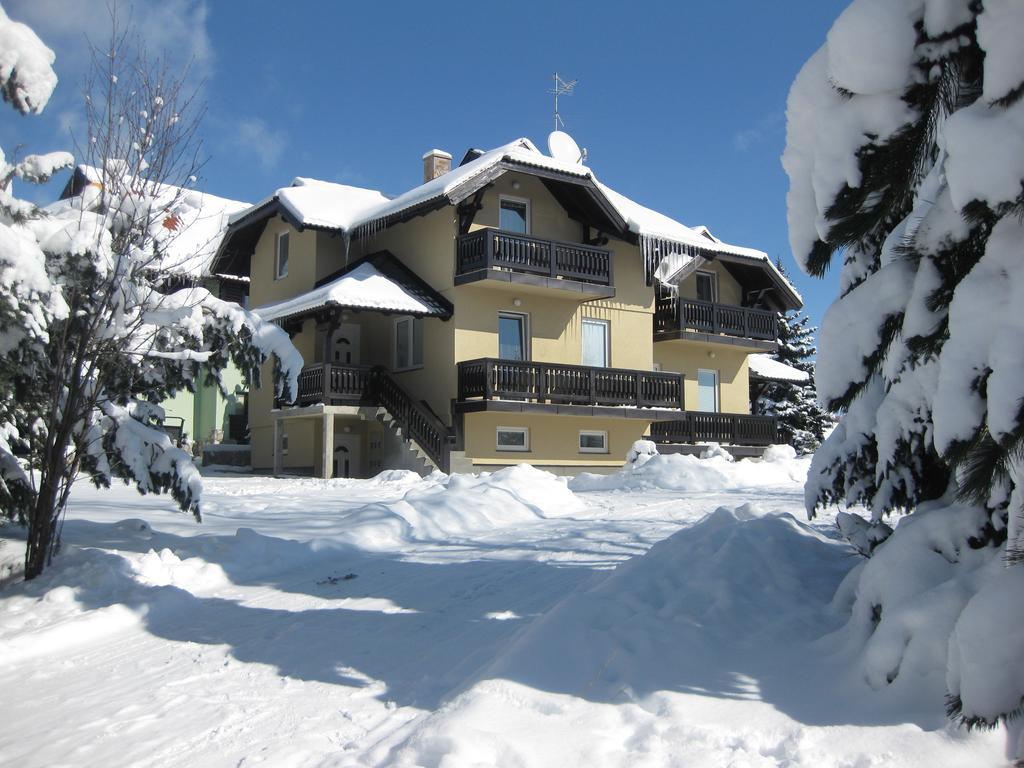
680,614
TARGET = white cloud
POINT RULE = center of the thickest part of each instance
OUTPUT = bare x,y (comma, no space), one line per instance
175,29
764,129
255,136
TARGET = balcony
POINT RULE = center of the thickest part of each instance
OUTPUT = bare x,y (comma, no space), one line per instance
696,427
333,384
679,318
523,260
528,386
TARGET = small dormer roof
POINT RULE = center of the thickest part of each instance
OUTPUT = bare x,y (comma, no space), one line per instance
376,282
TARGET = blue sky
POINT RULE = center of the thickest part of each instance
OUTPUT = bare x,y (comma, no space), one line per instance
681,105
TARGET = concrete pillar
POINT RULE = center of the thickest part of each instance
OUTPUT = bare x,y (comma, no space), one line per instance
278,456
328,430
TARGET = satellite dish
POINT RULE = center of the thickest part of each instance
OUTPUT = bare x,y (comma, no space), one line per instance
562,146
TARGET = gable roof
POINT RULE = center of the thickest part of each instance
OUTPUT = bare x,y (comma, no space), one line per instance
355,212
377,282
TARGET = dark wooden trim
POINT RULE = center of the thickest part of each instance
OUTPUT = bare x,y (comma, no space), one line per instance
586,291
782,287
489,248
714,320
362,385
695,427
555,409
525,382
708,338
468,210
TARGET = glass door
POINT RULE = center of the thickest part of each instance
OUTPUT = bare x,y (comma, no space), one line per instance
595,342
707,390
512,336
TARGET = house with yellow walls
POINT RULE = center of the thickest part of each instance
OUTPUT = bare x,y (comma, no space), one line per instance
509,309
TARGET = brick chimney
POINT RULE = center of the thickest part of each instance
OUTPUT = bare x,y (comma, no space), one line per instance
436,163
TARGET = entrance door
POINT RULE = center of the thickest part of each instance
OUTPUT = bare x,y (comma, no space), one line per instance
347,455
707,390
595,342
344,347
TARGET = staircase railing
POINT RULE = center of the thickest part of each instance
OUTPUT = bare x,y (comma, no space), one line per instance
334,383
415,419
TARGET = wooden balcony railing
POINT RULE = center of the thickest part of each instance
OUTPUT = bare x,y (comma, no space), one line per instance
334,384
710,317
487,378
494,248
328,382
699,427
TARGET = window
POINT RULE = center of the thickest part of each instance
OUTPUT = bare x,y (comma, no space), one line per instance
593,441
595,342
707,286
514,215
512,336
707,390
513,439
408,343
284,443
281,258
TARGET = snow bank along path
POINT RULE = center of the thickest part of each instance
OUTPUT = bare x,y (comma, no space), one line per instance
672,614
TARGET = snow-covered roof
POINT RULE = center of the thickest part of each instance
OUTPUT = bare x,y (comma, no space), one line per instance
650,223
378,282
356,211
195,222
767,367
326,205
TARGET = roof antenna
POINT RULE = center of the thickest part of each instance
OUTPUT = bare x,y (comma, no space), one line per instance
562,88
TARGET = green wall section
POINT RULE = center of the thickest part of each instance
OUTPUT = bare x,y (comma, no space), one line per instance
207,409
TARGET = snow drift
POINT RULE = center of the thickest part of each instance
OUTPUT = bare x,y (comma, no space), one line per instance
457,505
678,472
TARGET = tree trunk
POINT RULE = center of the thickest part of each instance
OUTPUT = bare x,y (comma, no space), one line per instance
42,525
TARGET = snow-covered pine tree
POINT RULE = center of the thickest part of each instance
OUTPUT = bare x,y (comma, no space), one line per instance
905,152
94,332
801,420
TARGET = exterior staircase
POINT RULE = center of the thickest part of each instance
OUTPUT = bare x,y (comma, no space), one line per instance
383,398
424,463
412,421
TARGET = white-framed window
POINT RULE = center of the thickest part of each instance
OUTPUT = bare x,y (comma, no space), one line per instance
707,390
596,347
513,439
514,214
284,443
513,336
707,286
408,338
593,441
281,256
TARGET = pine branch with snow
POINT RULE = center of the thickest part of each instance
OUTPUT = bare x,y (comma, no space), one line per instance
905,152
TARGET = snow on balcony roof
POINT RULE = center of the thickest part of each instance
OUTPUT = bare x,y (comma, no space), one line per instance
193,227
363,287
766,367
651,224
